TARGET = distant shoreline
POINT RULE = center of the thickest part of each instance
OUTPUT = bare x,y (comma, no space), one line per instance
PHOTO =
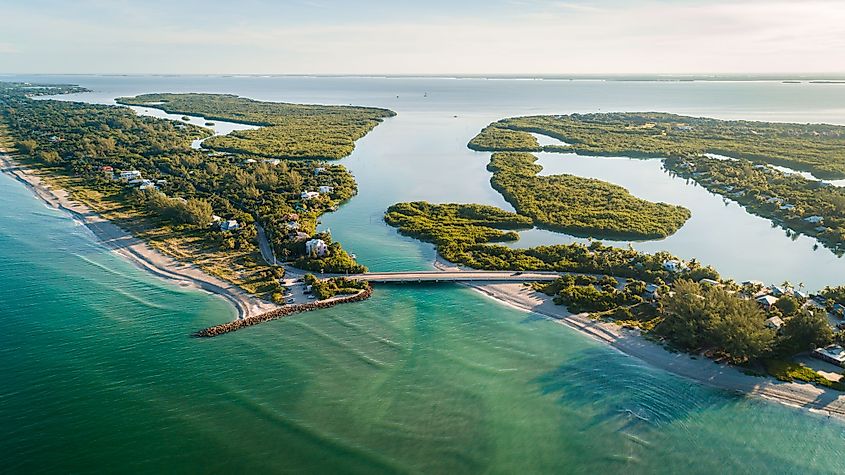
133,249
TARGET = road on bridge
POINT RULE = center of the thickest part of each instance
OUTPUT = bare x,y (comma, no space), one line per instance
454,276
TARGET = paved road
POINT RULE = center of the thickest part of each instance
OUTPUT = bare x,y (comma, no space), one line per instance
264,245
454,276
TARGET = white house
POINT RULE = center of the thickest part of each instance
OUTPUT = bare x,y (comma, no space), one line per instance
814,219
309,195
272,161
767,301
325,189
710,282
673,265
316,247
230,225
787,207
130,175
319,170
147,185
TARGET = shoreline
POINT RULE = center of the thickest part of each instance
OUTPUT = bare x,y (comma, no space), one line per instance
702,370
135,250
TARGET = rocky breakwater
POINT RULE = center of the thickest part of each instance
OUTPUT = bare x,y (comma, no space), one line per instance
282,312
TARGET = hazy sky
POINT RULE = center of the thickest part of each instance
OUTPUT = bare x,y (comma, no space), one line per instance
432,36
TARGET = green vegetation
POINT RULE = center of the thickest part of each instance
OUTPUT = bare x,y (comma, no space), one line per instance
816,148
790,371
328,288
287,130
84,147
801,205
462,234
455,223
496,138
580,206
336,261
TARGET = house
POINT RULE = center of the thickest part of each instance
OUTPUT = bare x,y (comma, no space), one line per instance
230,225
309,195
838,308
832,354
673,265
685,128
292,225
799,295
299,236
777,201
651,291
767,301
774,323
319,170
710,282
249,161
325,189
127,175
215,219
779,291
147,185
161,182
814,219
107,169
272,161
316,247
787,207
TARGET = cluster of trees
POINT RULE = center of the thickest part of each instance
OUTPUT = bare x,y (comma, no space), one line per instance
463,234
496,138
817,148
586,293
181,211
38,89
580,206
701,317
455,223
287,130
765,191
328,288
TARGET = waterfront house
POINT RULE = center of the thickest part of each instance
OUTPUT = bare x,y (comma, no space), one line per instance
230,225
832,354
673,265
787,207
814,219
779,291
774,323
325,189
316,247
767,301
309,195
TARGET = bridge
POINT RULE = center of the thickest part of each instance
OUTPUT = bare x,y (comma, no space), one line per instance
453,276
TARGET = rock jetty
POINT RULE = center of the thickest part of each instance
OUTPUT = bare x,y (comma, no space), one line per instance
282,312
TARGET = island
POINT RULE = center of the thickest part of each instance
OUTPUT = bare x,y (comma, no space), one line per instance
761,165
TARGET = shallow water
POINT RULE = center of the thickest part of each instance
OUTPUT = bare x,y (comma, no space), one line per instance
99,369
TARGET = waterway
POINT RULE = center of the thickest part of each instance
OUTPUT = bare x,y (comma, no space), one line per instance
99,369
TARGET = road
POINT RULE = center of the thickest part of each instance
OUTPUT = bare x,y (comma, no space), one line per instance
454,276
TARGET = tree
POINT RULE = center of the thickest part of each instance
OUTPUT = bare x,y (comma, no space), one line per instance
736,327
684,314
788,305
27,146
805,331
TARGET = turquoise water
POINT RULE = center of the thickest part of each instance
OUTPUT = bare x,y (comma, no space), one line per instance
99,371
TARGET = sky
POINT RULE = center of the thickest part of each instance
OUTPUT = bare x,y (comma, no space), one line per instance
532,37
